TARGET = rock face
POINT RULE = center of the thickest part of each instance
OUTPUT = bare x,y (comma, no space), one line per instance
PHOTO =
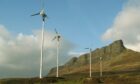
111,54
106,52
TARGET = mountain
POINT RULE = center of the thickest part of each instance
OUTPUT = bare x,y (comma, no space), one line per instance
116,58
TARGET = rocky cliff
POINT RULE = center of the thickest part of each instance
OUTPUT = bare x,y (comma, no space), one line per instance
115,57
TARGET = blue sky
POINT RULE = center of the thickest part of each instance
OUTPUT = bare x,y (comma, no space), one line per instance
80,21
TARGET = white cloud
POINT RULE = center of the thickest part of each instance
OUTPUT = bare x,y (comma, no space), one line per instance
76,54
3,32
126,26
20,55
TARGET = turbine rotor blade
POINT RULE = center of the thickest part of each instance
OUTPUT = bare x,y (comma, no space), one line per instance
54,38
56,31
35,14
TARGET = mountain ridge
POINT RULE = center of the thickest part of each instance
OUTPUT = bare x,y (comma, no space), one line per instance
115,56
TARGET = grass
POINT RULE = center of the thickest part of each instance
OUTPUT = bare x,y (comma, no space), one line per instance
71,82
109,78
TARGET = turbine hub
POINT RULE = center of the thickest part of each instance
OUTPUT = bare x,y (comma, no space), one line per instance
42,13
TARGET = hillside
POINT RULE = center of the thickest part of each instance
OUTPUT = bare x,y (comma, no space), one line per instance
116,58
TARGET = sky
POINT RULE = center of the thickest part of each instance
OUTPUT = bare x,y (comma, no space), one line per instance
81,23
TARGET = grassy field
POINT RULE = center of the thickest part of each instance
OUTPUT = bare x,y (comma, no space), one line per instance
108,78
122,77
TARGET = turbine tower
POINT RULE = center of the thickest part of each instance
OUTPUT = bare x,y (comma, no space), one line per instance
57,37
101,74
101,71
89,61
44,16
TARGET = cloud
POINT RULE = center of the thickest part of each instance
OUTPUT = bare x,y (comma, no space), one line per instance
126,26
76,54
20,54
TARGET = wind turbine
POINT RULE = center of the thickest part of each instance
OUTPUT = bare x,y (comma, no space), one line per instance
101,74
57,37
89,61
44,16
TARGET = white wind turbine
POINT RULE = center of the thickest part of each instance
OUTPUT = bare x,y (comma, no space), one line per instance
90,53
101,71
57,37
101,74
44,16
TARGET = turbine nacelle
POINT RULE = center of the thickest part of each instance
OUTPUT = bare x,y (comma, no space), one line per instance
57,37
42,14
